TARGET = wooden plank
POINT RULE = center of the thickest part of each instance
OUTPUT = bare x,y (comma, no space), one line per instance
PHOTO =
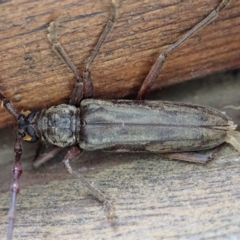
33,77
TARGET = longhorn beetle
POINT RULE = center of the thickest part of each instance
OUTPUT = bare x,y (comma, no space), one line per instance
169,128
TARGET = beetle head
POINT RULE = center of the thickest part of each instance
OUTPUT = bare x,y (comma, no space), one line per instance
25,127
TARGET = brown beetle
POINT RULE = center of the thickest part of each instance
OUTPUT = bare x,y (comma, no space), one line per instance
169,128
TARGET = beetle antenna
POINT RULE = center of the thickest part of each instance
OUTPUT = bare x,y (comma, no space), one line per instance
8,105
232,107
17,168
17,171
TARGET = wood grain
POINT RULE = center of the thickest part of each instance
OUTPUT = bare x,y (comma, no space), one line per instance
154,199
33,77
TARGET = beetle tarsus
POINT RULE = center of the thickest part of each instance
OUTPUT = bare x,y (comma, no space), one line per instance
157,67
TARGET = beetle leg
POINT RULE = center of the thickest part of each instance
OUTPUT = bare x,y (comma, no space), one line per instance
157,67
202,157
84,86
42,158
74,153
88,85
77,94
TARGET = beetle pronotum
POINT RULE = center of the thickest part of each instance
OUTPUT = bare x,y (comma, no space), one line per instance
168,128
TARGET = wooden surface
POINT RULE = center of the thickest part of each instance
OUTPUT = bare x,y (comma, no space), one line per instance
32,76
155,198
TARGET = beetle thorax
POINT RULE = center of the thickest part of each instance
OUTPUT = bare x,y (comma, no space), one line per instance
59,125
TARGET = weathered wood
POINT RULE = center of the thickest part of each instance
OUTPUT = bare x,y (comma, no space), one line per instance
32,76
154,199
